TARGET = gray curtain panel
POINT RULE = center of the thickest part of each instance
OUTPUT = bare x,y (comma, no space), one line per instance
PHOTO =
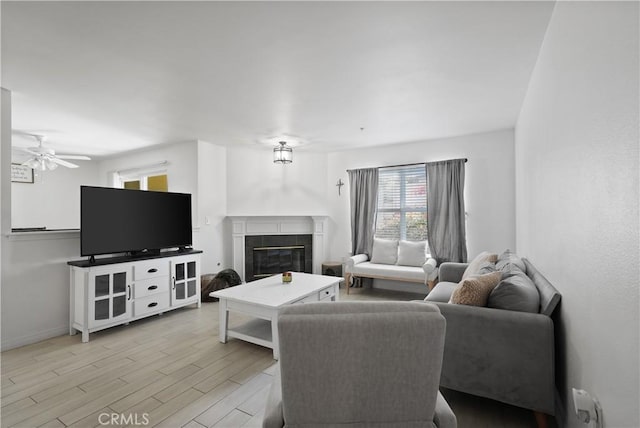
363,184
445,211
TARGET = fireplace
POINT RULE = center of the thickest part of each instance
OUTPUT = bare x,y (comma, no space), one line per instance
267,255
267,228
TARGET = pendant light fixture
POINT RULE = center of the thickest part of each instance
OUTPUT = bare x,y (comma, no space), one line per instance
282,154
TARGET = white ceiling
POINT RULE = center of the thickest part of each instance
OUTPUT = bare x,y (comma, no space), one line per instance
101,78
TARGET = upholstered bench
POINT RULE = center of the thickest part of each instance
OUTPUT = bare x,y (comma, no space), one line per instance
394,260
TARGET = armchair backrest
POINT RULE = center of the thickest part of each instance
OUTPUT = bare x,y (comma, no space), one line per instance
360,363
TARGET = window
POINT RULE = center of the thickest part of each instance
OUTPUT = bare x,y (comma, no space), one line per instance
402,203
156,183
150,177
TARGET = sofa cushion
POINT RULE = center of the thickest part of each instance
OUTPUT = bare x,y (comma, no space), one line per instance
412,253
549,296
441,292
385,251
478,262
509,260
516,292
487,267
475,290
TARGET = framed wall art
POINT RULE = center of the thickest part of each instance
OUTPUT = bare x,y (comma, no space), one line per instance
21,173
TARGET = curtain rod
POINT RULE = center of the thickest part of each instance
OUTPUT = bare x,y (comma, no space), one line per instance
405,164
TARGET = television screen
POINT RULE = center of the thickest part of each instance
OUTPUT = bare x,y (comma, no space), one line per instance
122,220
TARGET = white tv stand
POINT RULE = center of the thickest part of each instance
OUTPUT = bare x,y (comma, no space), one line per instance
116,290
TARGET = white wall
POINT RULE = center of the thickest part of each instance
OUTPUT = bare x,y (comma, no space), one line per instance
5,192
35,286
489,185
53,199
34,275
212,194
257,186
577,197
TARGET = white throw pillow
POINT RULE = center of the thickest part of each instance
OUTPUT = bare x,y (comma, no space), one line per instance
412,253
385,251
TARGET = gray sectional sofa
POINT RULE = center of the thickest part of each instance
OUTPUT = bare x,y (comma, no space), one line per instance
496,352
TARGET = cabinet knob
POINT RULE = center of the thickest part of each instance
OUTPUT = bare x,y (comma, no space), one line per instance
152,287
152,270
152,304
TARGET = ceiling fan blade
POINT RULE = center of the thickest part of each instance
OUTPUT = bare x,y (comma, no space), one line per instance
29,162
78,157
62,162
27,150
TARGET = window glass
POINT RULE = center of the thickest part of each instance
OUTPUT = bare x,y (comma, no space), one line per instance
133,184
157,183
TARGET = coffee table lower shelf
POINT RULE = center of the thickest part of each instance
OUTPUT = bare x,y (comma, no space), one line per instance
262,299
256,331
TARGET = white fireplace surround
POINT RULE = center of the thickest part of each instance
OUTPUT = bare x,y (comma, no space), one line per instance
242,226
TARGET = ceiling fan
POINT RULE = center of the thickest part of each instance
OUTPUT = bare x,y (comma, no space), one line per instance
44,158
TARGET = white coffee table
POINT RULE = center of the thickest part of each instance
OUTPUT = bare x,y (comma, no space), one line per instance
261,300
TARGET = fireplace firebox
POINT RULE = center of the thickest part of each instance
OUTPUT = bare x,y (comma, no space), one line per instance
267,255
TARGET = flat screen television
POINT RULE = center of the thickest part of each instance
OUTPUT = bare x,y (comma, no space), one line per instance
132,221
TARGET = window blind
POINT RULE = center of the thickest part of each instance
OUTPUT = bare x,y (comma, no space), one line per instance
402,203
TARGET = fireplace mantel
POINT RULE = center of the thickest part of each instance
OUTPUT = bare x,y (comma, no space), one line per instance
241,226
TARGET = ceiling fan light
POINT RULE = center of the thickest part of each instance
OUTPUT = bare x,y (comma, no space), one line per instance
32,163
51,165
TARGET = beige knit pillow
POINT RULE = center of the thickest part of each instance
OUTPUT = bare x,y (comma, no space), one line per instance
475,291
478,262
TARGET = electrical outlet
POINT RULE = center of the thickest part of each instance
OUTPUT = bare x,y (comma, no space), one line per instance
587,409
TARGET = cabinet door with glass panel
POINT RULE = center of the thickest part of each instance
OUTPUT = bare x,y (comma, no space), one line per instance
185,280
109,295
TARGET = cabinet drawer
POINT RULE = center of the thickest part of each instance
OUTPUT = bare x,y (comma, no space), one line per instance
150,269
153,303
325,294
146,287
308,299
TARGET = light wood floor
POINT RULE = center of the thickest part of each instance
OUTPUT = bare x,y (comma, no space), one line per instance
169,371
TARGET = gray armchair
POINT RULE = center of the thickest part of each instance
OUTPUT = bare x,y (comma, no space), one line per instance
358,364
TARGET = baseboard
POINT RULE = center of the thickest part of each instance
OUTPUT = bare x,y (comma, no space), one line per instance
16,342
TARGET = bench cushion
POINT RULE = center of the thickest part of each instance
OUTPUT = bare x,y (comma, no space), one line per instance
385,251
412,253
407,273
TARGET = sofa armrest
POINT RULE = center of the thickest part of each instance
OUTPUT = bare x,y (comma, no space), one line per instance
452,272
500,354
444,416
354,260
273,417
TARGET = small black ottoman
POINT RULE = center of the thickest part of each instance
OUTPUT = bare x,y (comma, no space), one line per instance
213,282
